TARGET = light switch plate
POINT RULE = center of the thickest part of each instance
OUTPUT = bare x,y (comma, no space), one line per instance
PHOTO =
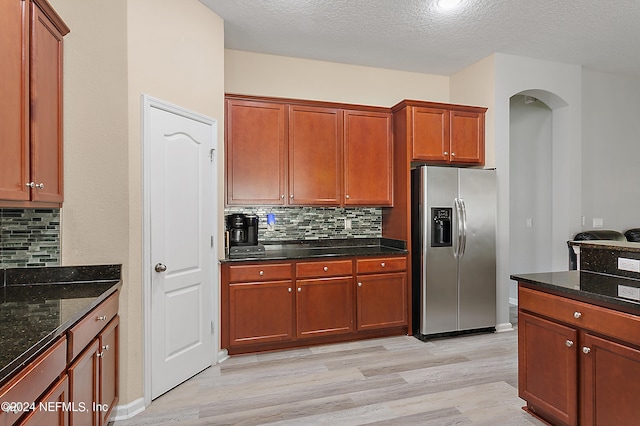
598,222
625,264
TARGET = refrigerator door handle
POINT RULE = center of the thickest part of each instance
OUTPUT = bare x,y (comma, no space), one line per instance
463,211
459,234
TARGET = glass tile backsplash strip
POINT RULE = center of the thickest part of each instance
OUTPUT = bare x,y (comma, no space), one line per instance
315,223
29,237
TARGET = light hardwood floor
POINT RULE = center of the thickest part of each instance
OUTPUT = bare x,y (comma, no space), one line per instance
468,380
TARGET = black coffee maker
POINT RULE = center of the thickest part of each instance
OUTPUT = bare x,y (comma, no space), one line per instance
243,229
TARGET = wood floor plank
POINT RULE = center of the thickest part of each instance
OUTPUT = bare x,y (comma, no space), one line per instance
467,380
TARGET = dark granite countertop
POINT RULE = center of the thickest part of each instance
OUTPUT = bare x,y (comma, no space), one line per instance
308,249
626,246
37,305
591,287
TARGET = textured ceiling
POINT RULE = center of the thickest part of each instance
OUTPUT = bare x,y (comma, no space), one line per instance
413,35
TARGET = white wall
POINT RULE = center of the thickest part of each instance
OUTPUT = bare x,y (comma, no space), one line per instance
611,150
530,187
280,76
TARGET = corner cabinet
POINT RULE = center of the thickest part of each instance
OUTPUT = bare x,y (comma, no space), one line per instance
278,305
307,153
578,363
31,167
442,133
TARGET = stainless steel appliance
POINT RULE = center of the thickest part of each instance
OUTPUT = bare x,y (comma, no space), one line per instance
454,250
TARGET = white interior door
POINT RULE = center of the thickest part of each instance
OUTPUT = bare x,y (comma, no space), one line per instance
179,149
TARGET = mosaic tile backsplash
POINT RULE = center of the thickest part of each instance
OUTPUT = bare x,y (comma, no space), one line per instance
314,223
29,237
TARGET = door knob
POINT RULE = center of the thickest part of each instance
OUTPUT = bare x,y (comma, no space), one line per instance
160,267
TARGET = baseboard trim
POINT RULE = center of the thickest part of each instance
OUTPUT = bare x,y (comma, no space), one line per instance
126,411
505,326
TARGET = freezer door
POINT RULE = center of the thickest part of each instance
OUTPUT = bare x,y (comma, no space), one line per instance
477,269
438,265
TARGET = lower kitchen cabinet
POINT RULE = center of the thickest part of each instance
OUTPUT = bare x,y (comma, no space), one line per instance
260,312
50,411
382,300
277,305
324,306
93,379
578,363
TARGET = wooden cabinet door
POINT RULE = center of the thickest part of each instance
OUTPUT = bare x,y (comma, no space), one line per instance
50,410
14,108
547,368
255,153
324,306
260,312
430,134
315,157
84,379
368,159
381,301
467,137
610,385
109,365
46,108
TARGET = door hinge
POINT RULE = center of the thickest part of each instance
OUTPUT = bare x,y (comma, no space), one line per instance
212,153
212,327
212,241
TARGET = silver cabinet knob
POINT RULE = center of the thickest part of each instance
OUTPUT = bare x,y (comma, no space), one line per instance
577,314
160,267
453,154
261,273
31,184
282,196
289,289
40,185
346,196
382,264
101,318
586,349
445,153
326,268
359,284
105,347
291,196
299,289
569,343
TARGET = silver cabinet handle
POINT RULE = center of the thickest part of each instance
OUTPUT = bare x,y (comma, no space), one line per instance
160,267
326,268
101,318
577,314
569,343
586,349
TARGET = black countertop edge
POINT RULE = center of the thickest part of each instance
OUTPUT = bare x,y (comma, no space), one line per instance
590,287
627,246
308,249
60,274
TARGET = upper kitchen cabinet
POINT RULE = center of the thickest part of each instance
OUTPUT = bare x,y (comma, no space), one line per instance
255,152
307,153
368,158
31,167
315,155
442,133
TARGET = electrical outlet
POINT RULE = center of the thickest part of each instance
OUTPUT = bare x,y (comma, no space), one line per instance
347,224
632,265
598,222
529,222
629,292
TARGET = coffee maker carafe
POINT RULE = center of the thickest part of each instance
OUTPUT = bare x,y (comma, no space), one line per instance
243,229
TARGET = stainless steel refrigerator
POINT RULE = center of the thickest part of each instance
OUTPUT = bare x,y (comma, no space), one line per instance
454,250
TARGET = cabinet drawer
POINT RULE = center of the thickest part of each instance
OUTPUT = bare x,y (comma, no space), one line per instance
381,264
324,268
81,334
619,325
34,379
271,272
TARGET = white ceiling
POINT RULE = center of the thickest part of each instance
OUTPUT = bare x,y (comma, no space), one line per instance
413,35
